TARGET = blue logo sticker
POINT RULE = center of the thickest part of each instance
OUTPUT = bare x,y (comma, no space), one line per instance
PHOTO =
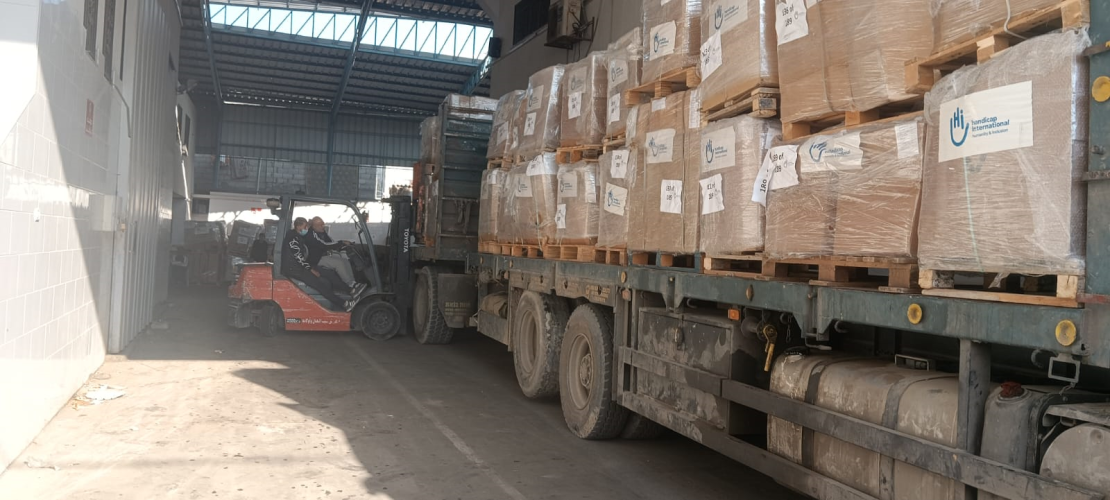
709,154
957,124
718,18
817,150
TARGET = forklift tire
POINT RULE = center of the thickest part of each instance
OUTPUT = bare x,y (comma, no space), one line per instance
429,325
586,375
640,427
271,321
378,320
538,325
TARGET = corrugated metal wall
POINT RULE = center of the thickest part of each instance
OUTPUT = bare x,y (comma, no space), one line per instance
145,189
284,134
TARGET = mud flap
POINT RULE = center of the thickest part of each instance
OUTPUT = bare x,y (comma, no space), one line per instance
458,296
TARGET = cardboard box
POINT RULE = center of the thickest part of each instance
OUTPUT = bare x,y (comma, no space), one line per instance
205,234
502,140
242,236
493,182
532,202
576,211
582,119
1007,151
672,36
960,20
539,113
626,58
738,49
617,171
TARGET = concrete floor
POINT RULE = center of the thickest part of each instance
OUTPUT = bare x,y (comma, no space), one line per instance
213,412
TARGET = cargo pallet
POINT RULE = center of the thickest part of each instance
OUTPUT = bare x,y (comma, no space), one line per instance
584,253
922,73
518,159
1016,288
670,260
760,102
848,119
674,81
572,154
847,272
494,163
746,265
613,142
489,247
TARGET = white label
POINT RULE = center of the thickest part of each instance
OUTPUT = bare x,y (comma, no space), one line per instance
718,149
728,14
615,107
660,146
712,201
535,98
591,188
574,105
831,153
906,136
561,216
568,185
711,55
493,177
986,122
576,80
502,133
530,124
616,198
243,240
790,20
658,104
618,72
670,197
778,171
664,2
619,168
539,166
695,109
661,40
523,187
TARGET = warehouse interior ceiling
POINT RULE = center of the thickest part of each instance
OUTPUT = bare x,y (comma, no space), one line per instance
302,53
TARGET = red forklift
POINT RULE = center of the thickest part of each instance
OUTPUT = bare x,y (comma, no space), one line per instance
264,298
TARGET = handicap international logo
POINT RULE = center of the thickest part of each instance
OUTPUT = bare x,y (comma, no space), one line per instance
709,153
656,148
957,126
817,150
660,42
718,18
611,199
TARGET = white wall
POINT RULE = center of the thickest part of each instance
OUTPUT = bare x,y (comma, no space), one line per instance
59,186
613,18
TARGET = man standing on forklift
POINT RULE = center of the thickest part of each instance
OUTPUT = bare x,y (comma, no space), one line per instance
295,265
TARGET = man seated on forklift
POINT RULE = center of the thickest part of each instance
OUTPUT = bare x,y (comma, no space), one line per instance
295,265
327,253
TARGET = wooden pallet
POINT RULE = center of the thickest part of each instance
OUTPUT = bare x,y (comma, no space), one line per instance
922,73
675,81
761,102
849,119
1060,290
614,142
519,250
492,247
846,272
519,159
614,256
575,253
574,154
748,265
676,261
502,163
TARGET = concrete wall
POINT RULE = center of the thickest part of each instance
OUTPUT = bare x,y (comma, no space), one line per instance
613,18
60,166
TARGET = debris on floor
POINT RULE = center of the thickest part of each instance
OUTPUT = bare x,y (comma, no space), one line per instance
101,394
34,463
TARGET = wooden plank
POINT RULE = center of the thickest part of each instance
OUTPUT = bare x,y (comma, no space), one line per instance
1009,298
674,81
762,102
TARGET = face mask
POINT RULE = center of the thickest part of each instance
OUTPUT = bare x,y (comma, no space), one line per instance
302,232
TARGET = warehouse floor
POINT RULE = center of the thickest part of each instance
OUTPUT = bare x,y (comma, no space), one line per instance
216,412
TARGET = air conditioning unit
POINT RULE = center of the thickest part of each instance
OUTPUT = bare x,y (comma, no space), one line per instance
566,24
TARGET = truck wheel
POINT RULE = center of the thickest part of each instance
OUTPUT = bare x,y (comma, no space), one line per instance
271,321
428,323
538,324
379,320
586,375
641,427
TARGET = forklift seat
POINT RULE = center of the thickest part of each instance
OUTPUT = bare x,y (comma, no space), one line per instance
316,295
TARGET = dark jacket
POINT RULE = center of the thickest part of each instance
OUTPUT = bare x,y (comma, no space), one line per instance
294,254
318,245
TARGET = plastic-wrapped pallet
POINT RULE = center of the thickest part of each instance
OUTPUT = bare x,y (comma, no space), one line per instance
515,181
857,195
959,20
847,55
470,106
617,172
576,213
534,200
501,135
741,32
583,102
626,56
493,182
429,141
672,36
1002,177
801,207
670,193
539,113
732,153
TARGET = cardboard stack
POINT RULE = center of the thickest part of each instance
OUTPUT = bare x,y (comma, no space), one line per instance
672,36
576,212
626,57
532,201
955,21
740,33
242,236
205,247
501,138
1007,150
493,181
617,171
583,101
539,113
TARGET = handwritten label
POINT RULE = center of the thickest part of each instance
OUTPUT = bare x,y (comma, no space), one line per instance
561,216
711,55
670,197
615,108
712,200
574,105
790,20
619,168
530,124
778,171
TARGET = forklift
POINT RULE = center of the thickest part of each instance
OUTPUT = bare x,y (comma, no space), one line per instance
262,297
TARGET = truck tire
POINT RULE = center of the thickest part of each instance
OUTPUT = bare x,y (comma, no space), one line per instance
586,375
538,325
641,428
271,321
429,326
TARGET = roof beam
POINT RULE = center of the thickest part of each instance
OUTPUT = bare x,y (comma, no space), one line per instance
338,102
317,77
270,97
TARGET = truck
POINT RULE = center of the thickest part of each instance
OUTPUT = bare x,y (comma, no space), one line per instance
837,393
